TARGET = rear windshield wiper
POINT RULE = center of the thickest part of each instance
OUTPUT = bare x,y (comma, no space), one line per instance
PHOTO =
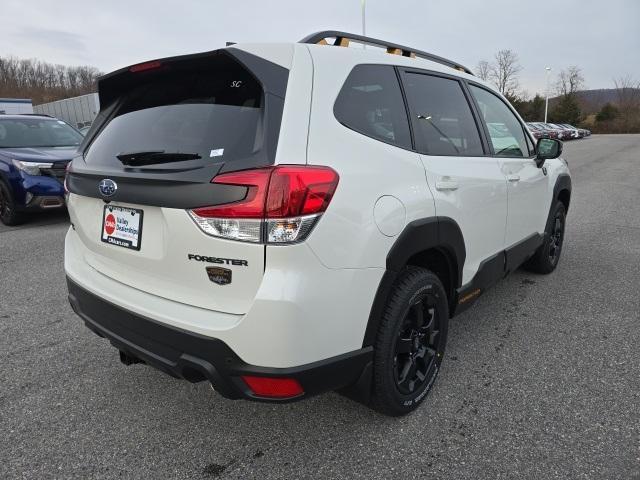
153,157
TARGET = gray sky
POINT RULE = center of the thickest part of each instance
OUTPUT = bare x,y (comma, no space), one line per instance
601,37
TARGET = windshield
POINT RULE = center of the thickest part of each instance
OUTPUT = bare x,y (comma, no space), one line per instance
36,132
216,115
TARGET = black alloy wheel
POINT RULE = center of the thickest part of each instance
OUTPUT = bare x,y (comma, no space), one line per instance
546,258
417,345
556,237
410,343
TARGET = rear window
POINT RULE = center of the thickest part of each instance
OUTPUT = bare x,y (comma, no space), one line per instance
216,114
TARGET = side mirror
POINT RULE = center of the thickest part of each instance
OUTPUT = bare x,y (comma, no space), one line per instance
547,149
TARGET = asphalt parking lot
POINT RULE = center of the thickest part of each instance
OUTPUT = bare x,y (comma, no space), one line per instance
541,378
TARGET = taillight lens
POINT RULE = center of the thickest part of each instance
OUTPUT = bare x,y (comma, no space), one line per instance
282,204
300,190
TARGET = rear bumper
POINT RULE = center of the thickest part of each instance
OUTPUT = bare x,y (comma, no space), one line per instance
194,357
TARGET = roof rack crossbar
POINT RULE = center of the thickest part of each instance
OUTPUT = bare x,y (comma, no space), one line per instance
342,39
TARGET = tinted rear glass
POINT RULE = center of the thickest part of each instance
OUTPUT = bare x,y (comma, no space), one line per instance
370,102
216,114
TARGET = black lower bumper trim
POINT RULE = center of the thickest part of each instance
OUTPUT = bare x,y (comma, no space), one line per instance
194,357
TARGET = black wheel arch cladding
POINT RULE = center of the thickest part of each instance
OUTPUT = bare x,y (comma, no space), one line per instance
562,193
442,233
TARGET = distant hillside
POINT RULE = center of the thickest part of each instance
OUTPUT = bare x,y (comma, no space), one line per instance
591,101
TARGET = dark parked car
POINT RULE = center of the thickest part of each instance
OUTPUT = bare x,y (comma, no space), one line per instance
34,152
546,128
582,132
564,132
575,132
537,131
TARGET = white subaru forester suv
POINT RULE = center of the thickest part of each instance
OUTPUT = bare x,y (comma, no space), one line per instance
286,219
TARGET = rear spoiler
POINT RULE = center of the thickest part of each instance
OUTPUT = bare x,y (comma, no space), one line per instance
112,85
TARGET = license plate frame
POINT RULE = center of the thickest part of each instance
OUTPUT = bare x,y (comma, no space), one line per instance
124,239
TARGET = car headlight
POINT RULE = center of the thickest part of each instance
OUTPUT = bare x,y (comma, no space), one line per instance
30,168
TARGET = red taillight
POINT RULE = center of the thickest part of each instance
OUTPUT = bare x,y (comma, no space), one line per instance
276,192
252,206
141,67
274,387
297,191
281,205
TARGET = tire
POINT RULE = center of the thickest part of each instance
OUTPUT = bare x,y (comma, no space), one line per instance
546,258
8,214
410,343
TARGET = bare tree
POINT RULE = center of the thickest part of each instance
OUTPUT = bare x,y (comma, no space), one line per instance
44,82
569,81
628,102
504,72
483,70
627,92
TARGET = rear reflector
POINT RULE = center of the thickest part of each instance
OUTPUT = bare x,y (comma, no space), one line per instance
274,387
281,205
141,67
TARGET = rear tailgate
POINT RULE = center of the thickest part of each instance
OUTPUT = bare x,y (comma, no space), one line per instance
173,258
166,130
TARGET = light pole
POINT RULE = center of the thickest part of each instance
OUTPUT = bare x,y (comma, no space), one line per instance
364,31
546,103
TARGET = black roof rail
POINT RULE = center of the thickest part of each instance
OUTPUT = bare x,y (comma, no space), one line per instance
342,40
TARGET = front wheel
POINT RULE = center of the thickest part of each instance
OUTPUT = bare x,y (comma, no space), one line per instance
410,344
8,214
546,258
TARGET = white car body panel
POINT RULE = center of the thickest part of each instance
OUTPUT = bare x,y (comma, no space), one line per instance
161,267
528,191
347,235
478,204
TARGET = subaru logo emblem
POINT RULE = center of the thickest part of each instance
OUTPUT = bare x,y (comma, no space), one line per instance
107,187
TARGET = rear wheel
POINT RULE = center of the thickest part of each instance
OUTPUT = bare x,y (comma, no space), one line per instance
546,258
410,343
8,214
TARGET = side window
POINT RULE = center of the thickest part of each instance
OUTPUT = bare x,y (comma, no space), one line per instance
505,131
370,103
444,124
